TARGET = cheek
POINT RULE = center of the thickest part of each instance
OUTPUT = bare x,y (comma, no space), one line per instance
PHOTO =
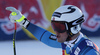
65,36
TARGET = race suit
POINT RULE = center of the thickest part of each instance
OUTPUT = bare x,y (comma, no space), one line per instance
79,46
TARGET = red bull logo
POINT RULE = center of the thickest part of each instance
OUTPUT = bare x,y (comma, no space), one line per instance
91,10
32,9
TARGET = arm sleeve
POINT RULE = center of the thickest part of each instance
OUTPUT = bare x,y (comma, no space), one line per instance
43,35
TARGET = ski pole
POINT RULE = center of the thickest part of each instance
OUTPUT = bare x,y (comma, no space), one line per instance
14,38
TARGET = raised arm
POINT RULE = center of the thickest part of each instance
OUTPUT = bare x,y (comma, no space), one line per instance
41,34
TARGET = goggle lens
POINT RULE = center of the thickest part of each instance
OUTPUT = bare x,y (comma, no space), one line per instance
58,26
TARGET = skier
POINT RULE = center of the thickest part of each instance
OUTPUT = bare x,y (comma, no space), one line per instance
66,21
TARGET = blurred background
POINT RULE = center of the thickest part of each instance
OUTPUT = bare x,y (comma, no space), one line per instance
39,12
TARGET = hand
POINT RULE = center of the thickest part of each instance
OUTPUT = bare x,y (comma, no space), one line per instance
16,16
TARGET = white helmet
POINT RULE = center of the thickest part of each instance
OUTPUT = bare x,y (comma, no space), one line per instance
70,19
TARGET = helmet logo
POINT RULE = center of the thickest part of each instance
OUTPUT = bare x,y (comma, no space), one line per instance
71,10
57,14
79,20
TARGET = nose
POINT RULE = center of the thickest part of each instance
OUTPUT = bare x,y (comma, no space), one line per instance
57,33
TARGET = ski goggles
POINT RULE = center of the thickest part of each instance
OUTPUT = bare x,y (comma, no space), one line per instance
58,26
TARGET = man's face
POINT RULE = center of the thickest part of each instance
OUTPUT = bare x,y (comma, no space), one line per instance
60,30
61,37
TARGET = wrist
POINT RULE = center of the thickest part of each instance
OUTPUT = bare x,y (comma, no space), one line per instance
25,23
21,19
